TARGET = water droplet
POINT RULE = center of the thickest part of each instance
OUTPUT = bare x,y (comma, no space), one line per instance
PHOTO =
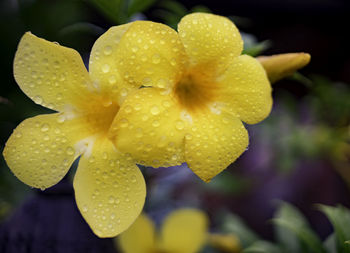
61,118
18,134
107,50
161,83
133,179
105,68
179,125
70,151
156,59
111,199
155,123
45,127
112,80
38,100
59,96
188,136
135,49
128,109
173,61
124,122
85,209
155,110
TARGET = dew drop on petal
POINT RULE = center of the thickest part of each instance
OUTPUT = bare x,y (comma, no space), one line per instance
156,58
155,110
38,100
45,127
179,125
107,50
105,68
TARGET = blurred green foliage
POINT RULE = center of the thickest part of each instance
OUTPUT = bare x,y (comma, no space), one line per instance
293,232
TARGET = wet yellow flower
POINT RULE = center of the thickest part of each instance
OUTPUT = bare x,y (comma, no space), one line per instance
183,231
109,188
199,89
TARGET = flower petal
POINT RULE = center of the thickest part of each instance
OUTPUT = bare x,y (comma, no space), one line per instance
139,238
184,231
103,67
150,54
150,128
210,40
109,189
245,90
50,74
213,143
41,149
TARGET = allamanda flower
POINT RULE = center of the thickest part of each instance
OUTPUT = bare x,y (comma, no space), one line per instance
183,231
109,188
199,90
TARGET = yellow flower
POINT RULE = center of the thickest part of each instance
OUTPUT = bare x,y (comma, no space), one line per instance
199,90
109,188
183,231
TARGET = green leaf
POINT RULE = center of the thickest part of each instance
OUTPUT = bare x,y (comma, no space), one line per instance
112,9
291,219
340,219
200,8
233,224
82,27
330,244
263,247
174,7
228,183
136,6
257,49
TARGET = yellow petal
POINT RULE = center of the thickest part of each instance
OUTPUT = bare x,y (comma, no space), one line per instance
150,128
228,243
103,65
245,90
184,231
210,40
139,238
213,143
282,65
150,54
41,149
109,189
52,75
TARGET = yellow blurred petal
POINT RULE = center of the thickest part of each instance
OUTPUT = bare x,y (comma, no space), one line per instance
210,40
184,231
280,66
103,65
109,189
41,149
213,143
139,238
52,75
150,128
150,54
228,243
244,90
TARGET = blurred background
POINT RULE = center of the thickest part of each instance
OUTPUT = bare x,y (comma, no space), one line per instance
300,154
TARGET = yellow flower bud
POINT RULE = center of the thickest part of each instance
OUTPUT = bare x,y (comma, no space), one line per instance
280,66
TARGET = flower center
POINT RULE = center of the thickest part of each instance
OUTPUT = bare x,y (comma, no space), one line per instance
101,113
195,90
